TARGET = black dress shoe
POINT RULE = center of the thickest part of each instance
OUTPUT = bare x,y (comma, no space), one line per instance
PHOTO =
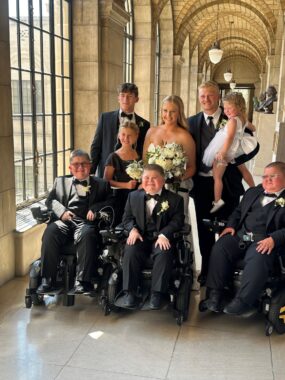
129,300
238,307
82,287
155,301
45,286
213,303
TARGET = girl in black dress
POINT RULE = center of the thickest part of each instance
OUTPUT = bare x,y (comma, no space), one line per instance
117,162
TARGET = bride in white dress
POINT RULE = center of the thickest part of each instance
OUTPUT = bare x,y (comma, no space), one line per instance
174,129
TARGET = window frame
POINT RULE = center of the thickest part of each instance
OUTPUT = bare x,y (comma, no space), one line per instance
41,30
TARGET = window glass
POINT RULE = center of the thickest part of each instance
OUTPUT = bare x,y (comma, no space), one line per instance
41,102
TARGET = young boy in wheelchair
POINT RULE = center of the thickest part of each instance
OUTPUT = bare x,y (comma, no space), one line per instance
255,232
152,217
75,202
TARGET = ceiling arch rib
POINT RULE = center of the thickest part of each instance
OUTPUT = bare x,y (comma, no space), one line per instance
192,24
190,8
208,35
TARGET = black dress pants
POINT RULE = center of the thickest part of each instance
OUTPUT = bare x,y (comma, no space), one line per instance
86,239
203,199
134,260
225,254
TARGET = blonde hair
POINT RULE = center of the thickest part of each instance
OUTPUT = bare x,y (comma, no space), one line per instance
130,125
236,99
175,99
211,84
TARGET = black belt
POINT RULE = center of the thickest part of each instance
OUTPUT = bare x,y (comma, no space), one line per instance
251,237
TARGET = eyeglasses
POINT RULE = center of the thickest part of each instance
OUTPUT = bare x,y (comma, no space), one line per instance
76,165
270,176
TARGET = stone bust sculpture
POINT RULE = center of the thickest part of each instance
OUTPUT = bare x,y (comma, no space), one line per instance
266,100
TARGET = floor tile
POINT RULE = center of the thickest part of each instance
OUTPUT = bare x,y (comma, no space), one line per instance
72,373
12,369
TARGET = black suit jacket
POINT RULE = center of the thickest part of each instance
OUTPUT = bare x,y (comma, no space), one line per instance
57,201
275,219
232,177
167,222
106,137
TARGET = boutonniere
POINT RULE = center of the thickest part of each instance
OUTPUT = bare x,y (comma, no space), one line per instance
140,124
86,189
221,124
280,202
163,207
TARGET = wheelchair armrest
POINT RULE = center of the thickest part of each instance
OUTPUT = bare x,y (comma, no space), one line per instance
113,234
215,226
184,232
40,213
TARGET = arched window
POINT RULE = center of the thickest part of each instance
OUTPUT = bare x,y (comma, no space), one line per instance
129,44
41,80
156,74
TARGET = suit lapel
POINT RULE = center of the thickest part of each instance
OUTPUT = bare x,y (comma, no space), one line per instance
249,203
69,188
159,215
141,209
273,209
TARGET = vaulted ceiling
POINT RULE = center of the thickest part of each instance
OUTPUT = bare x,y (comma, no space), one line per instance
246,29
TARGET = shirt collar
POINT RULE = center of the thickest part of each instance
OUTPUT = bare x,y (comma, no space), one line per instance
276,192
216,115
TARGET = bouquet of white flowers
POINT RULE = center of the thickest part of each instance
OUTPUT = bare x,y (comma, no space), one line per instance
170,157
135,169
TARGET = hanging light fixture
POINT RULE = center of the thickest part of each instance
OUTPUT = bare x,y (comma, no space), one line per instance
233,84
228,74
215,51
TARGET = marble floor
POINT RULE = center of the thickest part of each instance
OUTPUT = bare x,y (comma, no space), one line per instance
79,342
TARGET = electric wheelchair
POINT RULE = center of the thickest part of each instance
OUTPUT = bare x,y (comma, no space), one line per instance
66,268
271,302
180,283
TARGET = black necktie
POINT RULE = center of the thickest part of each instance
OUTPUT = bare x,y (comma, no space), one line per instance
211,124
149,196
77,182
128,115
272,195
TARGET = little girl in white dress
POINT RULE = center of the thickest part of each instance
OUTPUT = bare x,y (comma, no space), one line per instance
229,143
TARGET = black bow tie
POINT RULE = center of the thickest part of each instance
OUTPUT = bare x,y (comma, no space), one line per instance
149,196
83,183
128,115
272,195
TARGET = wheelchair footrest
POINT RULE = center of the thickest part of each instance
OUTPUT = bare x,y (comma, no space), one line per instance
52,292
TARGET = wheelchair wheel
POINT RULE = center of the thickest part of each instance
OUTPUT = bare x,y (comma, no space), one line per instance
28,302
276,314
269,328
37,299
68,300
183,298
202,306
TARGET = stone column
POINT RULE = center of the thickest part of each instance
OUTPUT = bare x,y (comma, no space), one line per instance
193,84
85,71
113,19
265,132
98,32
178,61
7,175
144,55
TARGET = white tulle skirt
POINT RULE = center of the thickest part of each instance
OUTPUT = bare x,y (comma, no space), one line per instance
216,144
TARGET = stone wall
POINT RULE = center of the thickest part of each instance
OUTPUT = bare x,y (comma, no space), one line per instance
7,180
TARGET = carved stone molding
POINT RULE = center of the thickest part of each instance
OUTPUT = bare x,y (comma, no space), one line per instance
111,10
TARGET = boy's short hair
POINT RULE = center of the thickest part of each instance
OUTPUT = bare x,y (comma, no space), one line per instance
79,153
128,87
154,167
